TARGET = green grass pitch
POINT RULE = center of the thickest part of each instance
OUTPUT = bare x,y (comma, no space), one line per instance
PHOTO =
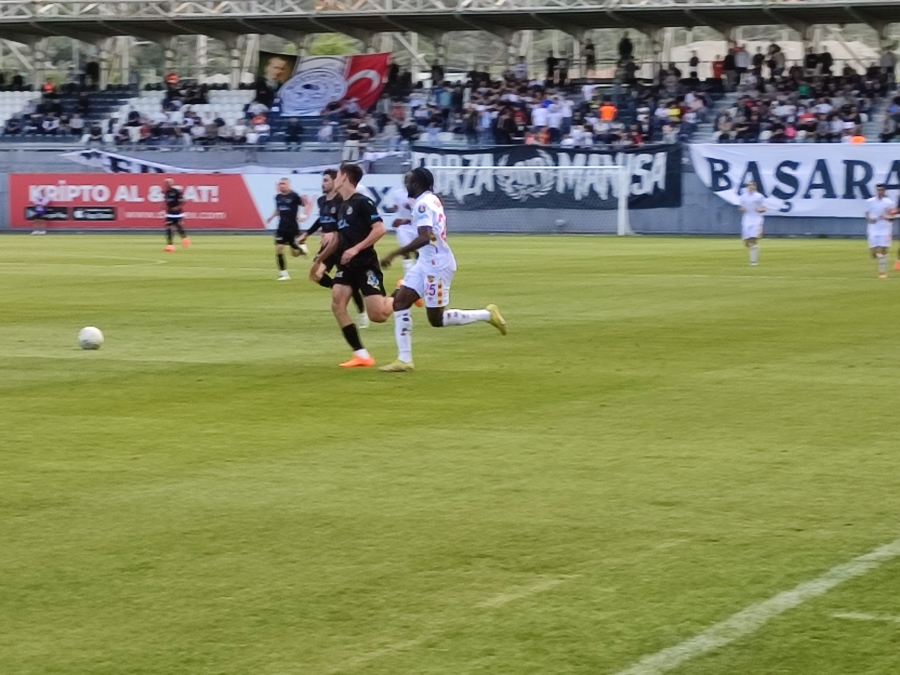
665,437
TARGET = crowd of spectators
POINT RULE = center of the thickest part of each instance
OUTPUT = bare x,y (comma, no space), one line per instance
48,116
807,101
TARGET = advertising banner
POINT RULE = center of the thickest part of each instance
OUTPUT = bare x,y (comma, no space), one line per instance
135,201
475,180
809,179
319,80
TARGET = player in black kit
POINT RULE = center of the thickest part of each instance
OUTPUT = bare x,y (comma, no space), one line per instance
287,210
329,203
359,227
174,214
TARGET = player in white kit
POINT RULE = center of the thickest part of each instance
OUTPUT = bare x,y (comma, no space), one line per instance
751,205
880,215
400,205
431,276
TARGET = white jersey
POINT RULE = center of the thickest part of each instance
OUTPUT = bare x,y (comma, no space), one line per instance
429,212
400,198
879,210
751,202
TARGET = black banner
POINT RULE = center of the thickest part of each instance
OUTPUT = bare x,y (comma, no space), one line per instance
475,179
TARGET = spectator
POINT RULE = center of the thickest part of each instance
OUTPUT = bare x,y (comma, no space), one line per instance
76,124
293,133
694,64
590,58
326,132
520,70
552,65
626,48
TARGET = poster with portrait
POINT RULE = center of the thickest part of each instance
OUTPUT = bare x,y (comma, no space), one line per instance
274,70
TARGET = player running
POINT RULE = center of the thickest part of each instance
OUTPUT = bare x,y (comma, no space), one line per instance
880,214
40,209
751,205
359,227
174,214
287,210
329,203
431,276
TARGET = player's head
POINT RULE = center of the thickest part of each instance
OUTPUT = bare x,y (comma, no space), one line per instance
750,186
168,182
349,173
879,190
328,176
284,186
420,181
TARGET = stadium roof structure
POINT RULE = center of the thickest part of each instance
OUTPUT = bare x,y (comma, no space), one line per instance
92,20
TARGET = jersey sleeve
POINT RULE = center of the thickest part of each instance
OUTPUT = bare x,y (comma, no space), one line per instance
370,211
423,216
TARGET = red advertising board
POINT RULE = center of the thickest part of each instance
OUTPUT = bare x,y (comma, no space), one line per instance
121,201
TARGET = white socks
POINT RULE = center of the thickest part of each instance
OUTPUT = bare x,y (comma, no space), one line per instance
361,353
460,317
882,263
754,254
403,333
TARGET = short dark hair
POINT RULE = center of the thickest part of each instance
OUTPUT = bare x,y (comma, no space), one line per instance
331,173
881,185
353,172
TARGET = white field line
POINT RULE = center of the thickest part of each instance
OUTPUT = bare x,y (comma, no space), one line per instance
492,603
853,616
506,598
756,616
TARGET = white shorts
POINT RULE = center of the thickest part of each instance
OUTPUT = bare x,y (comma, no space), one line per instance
878,238
431,283
751,231
406,234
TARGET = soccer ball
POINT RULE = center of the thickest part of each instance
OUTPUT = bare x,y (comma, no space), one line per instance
90,337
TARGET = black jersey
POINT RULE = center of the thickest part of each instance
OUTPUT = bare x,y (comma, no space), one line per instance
288,206
174,199
328,213
355,219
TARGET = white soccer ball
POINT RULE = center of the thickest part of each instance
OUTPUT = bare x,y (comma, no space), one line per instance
90,337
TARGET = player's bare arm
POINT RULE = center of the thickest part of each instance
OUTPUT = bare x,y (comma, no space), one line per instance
400,221
421,240
376,234
303,215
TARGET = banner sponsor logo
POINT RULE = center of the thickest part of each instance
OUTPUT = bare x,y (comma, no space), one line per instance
132,201
476,179
812,180
320,80
213,201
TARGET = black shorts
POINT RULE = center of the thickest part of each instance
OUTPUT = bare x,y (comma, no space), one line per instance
174,219
286,235
367,280
331,261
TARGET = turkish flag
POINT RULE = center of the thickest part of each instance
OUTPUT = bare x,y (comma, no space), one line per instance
364,75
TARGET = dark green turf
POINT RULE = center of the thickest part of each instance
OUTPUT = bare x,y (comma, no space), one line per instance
665,437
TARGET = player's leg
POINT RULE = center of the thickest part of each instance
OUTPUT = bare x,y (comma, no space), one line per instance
279,258
185,242
370,284
169,230
881,255
437,298
340,298
297,249
753,250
